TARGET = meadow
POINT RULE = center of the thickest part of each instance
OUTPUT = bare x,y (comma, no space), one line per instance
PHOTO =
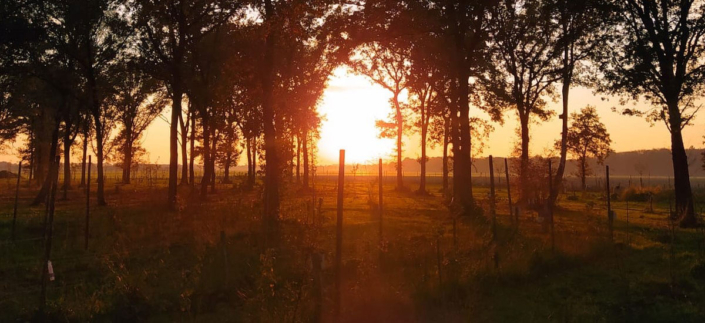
208,261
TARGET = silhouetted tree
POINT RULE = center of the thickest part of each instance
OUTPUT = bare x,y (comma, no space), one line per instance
467,30
582,29
138,99
387,65
425,78
166,28
587,138
525,61
659,56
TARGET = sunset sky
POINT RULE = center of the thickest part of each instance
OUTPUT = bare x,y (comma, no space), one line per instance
351,104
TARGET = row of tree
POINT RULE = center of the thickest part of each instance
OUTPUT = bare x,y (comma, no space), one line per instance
513,56
249,74
86,68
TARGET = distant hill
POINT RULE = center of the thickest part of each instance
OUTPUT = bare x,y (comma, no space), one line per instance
656,162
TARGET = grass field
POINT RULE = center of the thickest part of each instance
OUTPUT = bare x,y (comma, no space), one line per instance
208,262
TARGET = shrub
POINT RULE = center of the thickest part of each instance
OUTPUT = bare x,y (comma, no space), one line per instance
639,194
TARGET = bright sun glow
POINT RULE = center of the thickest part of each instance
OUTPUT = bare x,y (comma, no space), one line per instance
350,107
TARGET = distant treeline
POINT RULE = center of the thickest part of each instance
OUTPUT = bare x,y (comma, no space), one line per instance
653,162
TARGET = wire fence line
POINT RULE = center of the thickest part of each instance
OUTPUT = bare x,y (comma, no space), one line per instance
358,189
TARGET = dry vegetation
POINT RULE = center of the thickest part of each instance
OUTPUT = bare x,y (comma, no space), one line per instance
207,261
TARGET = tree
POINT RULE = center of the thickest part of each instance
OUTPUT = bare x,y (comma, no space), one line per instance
18,32
525,69
138,99
166,29
468,35
70,60
85,38
425,81
272,167
299,22
387,65
10,114
184,132
440,132
659,55
74,119
640,169
229,152
463,29
209,85
95,29
587,138
581,32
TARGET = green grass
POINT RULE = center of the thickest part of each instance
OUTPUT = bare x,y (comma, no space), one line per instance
147,264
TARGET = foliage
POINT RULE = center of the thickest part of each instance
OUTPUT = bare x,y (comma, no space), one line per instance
587,138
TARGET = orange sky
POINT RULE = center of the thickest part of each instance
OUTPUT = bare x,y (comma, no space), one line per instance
351,104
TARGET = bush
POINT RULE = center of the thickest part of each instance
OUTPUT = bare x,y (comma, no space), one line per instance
639,194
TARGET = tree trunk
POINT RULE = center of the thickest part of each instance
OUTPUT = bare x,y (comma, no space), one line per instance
684,194
192,156
558,179
424,132
583,170
298,159
127,167
176,97
127,158
271,180
67,161
214,151
400,128
462,163
31,157
460,113
83,160
254,160
524,160
184,148
100,195
305,152
248,146
44,190
42,145
446,135
206,157
226,175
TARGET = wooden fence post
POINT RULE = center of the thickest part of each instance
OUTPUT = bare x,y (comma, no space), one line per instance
509,189
381,203
610,215
629,238
493,213
339,235
53,181
17,196
88,204
550,206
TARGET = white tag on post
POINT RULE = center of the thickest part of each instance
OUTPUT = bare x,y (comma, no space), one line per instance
50,269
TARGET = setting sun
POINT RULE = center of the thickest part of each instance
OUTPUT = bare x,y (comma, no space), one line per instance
350,106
